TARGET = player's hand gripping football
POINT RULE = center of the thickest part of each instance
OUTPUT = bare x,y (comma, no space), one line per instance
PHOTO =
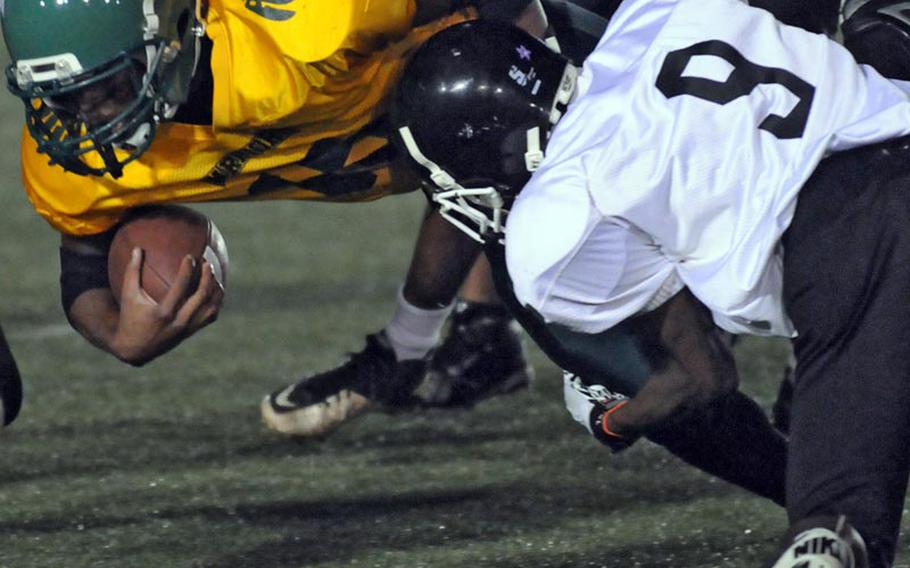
591,406
147,329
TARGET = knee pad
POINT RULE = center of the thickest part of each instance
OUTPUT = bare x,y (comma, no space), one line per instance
877,33
824,542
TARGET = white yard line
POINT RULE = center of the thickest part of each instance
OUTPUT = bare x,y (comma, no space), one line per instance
41,332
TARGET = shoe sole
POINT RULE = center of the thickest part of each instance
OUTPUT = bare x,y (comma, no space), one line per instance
316,421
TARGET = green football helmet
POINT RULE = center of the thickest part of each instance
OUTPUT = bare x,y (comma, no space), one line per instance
61,50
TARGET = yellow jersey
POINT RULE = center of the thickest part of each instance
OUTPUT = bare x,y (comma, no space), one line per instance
299,88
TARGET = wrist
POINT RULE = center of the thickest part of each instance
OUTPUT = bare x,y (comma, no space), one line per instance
608,419
604,429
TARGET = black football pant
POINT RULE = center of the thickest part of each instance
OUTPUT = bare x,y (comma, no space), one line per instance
847,290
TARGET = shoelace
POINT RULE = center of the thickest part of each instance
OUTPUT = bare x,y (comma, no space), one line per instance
594,393
363,366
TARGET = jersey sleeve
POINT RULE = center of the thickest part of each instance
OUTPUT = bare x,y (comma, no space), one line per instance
314,61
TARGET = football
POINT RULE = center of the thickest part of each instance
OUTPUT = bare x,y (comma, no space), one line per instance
166,234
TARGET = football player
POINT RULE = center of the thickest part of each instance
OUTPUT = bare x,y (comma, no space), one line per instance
610,367
129,104
682,163
482,355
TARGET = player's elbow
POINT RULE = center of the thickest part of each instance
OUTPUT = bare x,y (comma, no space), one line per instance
705,389
133,360
707,363
698,388
132,353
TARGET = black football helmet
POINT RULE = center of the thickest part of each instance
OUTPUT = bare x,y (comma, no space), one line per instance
474,108
877,32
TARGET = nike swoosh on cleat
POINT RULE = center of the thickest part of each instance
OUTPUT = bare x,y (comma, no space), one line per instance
282,400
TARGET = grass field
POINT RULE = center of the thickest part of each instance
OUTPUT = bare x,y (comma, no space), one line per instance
169,466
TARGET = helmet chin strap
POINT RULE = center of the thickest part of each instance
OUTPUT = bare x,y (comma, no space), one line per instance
138,137
152,25
439,176
534,155
566,92
165,110
456,198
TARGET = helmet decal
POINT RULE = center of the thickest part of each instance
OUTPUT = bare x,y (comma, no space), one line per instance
525,77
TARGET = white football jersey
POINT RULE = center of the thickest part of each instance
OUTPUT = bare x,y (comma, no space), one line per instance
679,162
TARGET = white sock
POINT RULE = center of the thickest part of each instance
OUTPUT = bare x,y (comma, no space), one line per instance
413,331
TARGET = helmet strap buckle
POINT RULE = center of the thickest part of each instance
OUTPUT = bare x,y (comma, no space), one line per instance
534,155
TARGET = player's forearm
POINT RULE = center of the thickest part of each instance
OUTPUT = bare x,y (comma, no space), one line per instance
669,396
533,19
696,368
526,14
85,290
94,314
97,317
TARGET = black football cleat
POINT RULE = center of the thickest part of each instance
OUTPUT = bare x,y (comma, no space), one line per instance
481,357
315,406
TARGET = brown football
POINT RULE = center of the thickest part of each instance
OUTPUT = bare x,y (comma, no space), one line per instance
166,234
